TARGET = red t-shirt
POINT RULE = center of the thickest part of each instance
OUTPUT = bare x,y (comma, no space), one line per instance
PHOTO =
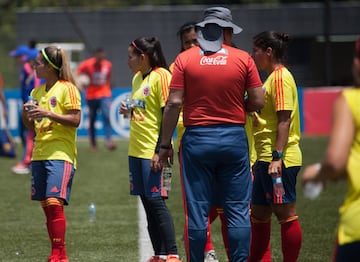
214,85
100,77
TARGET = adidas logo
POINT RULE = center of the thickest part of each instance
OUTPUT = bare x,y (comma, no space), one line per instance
54,189
154,189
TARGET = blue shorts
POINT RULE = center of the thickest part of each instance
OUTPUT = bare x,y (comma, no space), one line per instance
51,178
263,187
144,181
348,252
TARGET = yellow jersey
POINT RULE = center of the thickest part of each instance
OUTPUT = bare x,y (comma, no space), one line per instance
149,96
54,141
349,226
280,94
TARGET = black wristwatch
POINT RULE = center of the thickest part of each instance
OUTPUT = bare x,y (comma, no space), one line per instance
277,155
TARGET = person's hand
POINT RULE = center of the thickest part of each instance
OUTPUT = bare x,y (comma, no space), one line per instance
275,167
123,109
155,163
34,112
311,173
166,155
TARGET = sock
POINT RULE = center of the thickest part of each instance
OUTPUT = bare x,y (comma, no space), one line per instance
260,238
267,256
291,238
46,211
56,224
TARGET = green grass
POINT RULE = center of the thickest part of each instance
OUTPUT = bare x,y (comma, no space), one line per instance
102,177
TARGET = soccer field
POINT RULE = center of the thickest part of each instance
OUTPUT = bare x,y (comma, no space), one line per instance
102,178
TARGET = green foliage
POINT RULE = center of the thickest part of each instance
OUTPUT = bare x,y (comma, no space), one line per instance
102,177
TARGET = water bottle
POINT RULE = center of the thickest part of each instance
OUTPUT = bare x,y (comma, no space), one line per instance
92,212
278,186
312,190
31,100
128,103
167,174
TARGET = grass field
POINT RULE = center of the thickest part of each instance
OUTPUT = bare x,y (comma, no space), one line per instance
102,177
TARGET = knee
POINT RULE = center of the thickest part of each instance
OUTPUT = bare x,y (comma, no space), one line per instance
288,219
261,214
156,203
259,220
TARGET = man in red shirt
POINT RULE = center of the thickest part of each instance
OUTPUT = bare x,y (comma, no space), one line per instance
209,82
98,94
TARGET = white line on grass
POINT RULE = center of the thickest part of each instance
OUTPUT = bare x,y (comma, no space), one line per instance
145,247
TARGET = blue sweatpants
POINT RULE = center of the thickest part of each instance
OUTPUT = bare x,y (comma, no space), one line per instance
215,169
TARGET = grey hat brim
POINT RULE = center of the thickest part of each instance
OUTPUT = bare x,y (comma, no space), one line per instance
210,37
222,23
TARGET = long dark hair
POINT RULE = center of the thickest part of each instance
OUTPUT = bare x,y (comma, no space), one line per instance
277,41
150,46
185,28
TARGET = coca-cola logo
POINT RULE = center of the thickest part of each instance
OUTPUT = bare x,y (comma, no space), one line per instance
218,60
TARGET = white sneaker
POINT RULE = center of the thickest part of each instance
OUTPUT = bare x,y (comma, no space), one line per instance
210,256
20,169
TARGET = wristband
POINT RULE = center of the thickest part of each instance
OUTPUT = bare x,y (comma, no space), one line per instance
165,147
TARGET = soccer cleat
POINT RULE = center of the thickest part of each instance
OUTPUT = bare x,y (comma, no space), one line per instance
53,258
172,258
64,259
20,169
210,256
155,259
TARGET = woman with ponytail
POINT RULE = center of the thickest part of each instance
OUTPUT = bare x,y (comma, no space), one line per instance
276,129
55,118
150,89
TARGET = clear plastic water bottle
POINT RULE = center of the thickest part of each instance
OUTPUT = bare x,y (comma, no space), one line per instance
92,212
31,100
167,175
278,185
128,103
312,190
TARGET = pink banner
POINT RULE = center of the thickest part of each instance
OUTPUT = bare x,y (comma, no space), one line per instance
317,106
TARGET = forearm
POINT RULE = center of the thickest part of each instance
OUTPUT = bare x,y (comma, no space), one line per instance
70,119
282,136
169,122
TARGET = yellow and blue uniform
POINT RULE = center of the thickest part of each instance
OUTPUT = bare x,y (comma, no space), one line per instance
55,144
149,94
280,94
